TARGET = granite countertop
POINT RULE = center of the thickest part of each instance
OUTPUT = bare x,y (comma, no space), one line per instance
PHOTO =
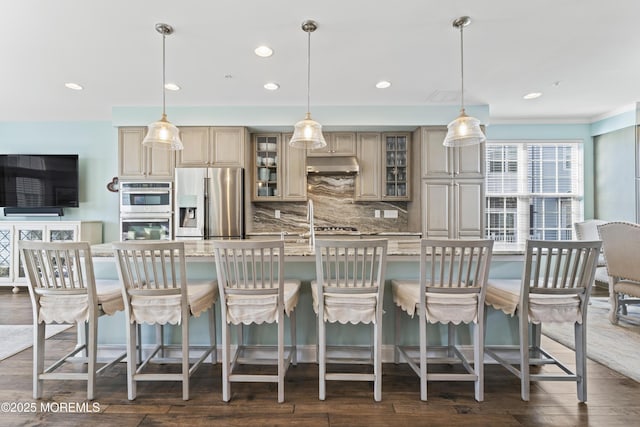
203,248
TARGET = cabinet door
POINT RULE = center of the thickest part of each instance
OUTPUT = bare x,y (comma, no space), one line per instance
469,209
396,174
6,253
338,144
294,171
228,146
131,155
136,161
437,215
64,233
453,209
196,142
439,161
343,144
161,163
265,174
25,233
469,161
369,157
436,158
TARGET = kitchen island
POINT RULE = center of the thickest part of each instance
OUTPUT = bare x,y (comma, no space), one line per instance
402,263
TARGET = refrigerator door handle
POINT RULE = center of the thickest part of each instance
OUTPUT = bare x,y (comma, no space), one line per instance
205,189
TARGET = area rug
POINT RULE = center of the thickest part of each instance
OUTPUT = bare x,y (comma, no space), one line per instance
15,338
614,346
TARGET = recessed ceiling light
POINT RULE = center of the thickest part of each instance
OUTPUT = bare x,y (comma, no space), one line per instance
171,86
263,51
532,95
383,84
271,86
74,86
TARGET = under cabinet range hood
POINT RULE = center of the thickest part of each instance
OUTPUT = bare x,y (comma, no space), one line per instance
336,165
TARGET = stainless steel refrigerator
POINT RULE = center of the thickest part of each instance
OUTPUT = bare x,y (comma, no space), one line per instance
209,203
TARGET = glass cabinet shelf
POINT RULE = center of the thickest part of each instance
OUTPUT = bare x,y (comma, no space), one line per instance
266,181
396,161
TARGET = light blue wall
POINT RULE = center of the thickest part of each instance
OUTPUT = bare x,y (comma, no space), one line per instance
615,171
96,143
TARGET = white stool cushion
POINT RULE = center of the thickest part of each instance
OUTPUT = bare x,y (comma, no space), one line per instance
346,308
505,295
247,309
166,308
440,307
75,308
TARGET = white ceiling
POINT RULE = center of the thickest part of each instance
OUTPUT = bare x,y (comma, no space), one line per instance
512,47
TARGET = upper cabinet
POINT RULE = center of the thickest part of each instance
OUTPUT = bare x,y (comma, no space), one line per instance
397,172
266,169
294,171
211,147
384,161
368,181
138,162
338,144
279,171
439,161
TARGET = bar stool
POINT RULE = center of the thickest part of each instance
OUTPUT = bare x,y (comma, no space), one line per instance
555,287
451,291
253,290
63,289
157,292
349,287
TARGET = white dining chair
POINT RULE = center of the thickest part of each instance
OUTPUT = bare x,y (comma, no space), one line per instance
157,292
63,289
621,246
450,291
349,288
253,290
555,287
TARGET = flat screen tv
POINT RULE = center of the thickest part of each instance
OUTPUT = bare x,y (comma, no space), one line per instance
35,181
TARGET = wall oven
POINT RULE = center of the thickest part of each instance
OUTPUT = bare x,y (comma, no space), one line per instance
146,227
146,211
145,197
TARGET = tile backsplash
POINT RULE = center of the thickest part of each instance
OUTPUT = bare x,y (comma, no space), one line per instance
334,205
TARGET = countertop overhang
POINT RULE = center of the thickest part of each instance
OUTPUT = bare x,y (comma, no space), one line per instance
202,250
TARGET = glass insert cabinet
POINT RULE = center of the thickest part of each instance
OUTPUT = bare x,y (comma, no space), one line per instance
266,176
12,272
396,160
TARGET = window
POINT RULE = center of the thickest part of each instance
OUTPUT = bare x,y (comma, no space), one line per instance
534,190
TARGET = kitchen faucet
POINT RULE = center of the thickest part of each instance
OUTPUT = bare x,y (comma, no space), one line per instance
312,232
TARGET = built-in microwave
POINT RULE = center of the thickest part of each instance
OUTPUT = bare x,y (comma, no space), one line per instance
145,227
145,197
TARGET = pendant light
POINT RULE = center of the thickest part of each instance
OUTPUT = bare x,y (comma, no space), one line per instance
307,133
464,130
162,134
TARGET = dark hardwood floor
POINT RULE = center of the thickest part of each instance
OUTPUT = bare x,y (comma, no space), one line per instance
613,398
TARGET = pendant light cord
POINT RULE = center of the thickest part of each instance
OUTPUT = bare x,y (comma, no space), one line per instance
164,94
308,72
461,68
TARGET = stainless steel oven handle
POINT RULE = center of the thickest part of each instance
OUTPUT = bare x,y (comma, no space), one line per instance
141,191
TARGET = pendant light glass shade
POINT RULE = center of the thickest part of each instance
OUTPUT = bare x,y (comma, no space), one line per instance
307,133
162,134
464,130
